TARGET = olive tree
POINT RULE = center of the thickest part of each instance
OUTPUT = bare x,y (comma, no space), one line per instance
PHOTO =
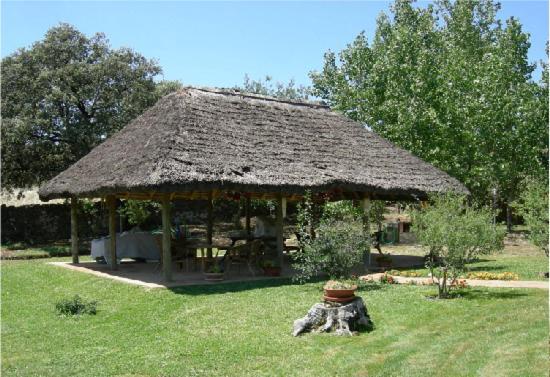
454,233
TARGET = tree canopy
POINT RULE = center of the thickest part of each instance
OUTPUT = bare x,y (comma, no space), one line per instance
277,89
63,96
451,83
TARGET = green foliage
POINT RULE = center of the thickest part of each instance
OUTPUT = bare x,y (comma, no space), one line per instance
338,247
304,219
138,211
268,87
165,87
376,212
452,84
263,205
341,210
533,207
76,306
88,207
341,284
454,233
65,95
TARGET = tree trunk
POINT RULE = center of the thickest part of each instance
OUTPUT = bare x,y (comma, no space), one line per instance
495,206
509,224
342,319
74,229
443,285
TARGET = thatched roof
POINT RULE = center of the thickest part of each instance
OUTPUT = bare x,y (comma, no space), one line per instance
207,139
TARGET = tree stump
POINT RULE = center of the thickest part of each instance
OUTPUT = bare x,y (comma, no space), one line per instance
342,319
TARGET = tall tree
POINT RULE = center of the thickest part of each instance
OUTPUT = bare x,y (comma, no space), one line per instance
453,85
63,96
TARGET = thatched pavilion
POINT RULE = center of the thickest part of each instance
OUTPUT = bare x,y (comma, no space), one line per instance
205,143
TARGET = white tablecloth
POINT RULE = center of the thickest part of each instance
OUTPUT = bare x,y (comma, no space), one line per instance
128,245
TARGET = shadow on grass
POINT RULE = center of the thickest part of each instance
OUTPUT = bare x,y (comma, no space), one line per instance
480,294
484,268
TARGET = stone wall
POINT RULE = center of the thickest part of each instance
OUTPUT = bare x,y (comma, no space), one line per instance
35,224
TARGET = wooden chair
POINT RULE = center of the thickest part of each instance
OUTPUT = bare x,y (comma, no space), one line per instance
246,253
180,254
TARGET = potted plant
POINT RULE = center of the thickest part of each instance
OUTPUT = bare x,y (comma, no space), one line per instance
271,268
339,291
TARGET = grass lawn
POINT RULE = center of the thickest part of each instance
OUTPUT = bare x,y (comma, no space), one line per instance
244,329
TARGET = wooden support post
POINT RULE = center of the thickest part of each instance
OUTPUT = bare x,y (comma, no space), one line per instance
247,214
210,224
166,239
366,229
279,229
111,203
74,229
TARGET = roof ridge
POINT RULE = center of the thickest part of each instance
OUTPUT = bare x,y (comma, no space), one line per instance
239,93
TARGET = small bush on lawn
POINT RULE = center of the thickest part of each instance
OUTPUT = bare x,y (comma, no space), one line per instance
484,275
76,306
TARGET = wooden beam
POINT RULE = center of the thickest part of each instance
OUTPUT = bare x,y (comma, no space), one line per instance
74,229
366,230
210,224
279,229
247,214
111,203
166,239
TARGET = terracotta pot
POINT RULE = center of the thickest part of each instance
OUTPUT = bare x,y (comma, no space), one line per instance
340,295
272,271
213,276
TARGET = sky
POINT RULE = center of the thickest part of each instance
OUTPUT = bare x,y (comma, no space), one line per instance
216,43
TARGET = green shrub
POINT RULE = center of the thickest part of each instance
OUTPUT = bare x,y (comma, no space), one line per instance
138,211
57,251
76,306
454,233
533,207
338,247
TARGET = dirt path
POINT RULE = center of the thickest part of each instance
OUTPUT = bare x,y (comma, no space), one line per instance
469,282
